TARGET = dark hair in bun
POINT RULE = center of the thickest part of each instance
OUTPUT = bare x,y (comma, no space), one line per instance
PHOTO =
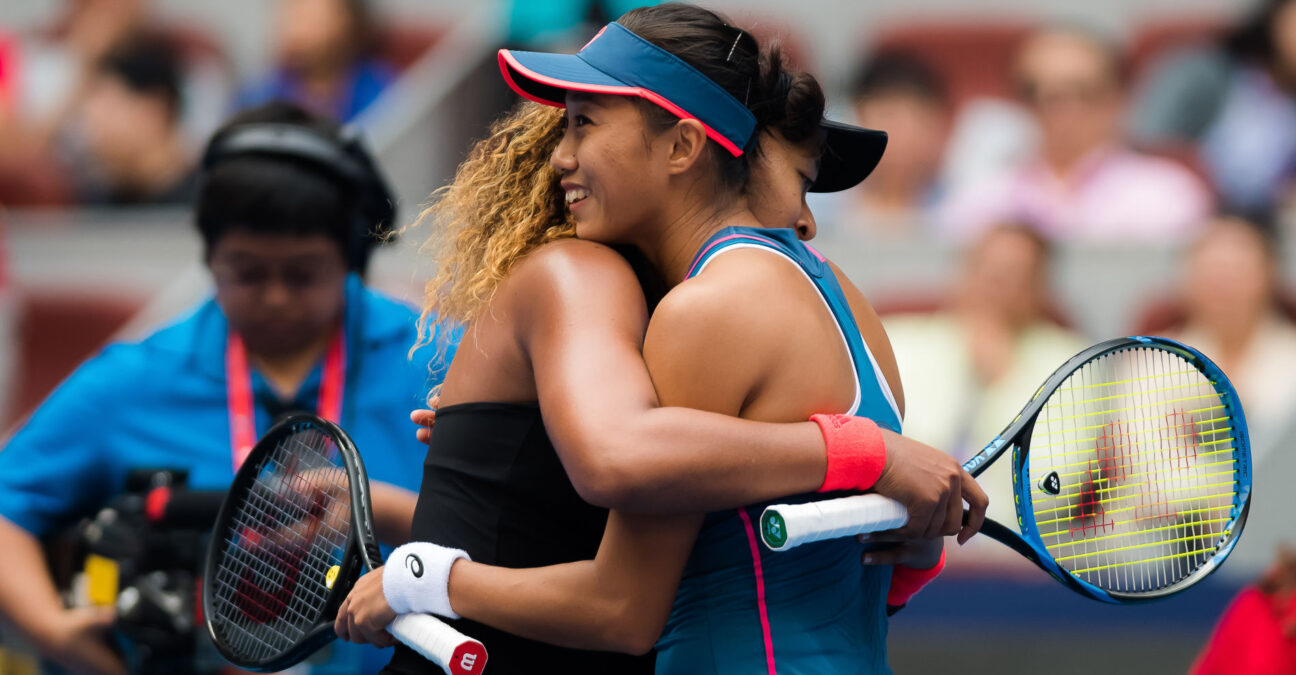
791,103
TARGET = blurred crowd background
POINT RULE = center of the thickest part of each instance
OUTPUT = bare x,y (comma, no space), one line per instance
1058,173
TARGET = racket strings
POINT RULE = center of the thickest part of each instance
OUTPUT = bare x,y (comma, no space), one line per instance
1144,451
1109,412
289,529
1101,435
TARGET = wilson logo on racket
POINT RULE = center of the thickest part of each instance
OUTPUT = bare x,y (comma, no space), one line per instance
469,659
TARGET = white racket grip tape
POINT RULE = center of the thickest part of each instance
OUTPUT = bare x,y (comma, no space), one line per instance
786,526
437,642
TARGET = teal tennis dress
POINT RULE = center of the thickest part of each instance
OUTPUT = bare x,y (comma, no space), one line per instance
815,609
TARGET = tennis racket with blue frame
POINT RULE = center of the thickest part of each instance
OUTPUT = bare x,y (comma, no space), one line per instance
1131,475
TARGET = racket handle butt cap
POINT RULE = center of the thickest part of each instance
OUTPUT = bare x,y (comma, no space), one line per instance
786,526
437,642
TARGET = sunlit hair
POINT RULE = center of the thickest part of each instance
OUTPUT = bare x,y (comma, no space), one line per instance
504,202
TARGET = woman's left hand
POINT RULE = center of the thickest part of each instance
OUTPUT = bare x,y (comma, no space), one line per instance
364,615
425,418
920,554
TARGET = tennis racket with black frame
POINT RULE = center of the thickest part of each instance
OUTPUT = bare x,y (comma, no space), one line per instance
293,535
1131,472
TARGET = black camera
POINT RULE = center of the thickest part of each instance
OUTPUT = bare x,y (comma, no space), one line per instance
143,555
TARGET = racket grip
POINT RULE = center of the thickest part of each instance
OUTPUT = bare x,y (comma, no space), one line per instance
786,526
437,642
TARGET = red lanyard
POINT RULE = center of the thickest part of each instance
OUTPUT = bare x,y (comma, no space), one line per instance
238,382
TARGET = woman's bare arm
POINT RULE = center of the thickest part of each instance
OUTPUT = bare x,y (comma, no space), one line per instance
617,602
393,511
583,334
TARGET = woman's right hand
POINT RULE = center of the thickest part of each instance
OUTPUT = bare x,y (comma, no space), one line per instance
933,487
364,615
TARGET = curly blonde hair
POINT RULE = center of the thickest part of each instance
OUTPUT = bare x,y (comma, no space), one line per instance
504,202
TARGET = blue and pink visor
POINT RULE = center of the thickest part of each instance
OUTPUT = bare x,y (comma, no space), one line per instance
617,61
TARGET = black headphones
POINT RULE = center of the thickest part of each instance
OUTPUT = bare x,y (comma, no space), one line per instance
343,158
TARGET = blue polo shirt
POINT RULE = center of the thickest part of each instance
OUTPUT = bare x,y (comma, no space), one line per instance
162,403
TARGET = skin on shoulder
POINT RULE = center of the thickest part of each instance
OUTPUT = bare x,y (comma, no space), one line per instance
752,323
555,288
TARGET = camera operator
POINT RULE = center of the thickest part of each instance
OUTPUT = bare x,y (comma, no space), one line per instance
289,208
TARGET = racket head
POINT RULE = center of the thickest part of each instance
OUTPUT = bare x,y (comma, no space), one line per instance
1132,470
292,536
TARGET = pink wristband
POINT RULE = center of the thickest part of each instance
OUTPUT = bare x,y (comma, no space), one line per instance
856,452
907,581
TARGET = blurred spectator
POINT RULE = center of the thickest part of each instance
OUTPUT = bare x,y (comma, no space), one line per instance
57,63
130,123
8,78
900,94
325,55
970,367
1257,634
1236,101
45,79
51,71
1083,183
1231,300
8,113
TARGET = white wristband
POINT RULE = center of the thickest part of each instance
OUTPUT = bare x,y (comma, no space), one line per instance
417,578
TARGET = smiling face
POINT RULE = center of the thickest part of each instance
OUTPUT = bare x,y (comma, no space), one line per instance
612,166
781,176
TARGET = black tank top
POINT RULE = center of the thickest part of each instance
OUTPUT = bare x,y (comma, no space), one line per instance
493,486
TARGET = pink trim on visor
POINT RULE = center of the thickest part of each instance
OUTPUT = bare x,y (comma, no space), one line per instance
508,63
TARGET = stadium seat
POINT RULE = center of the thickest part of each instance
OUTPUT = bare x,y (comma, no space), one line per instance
402,43
974,58
930,303
58,332
1167,314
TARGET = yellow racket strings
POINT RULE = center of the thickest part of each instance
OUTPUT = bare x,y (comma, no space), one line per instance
1132,463
269,585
